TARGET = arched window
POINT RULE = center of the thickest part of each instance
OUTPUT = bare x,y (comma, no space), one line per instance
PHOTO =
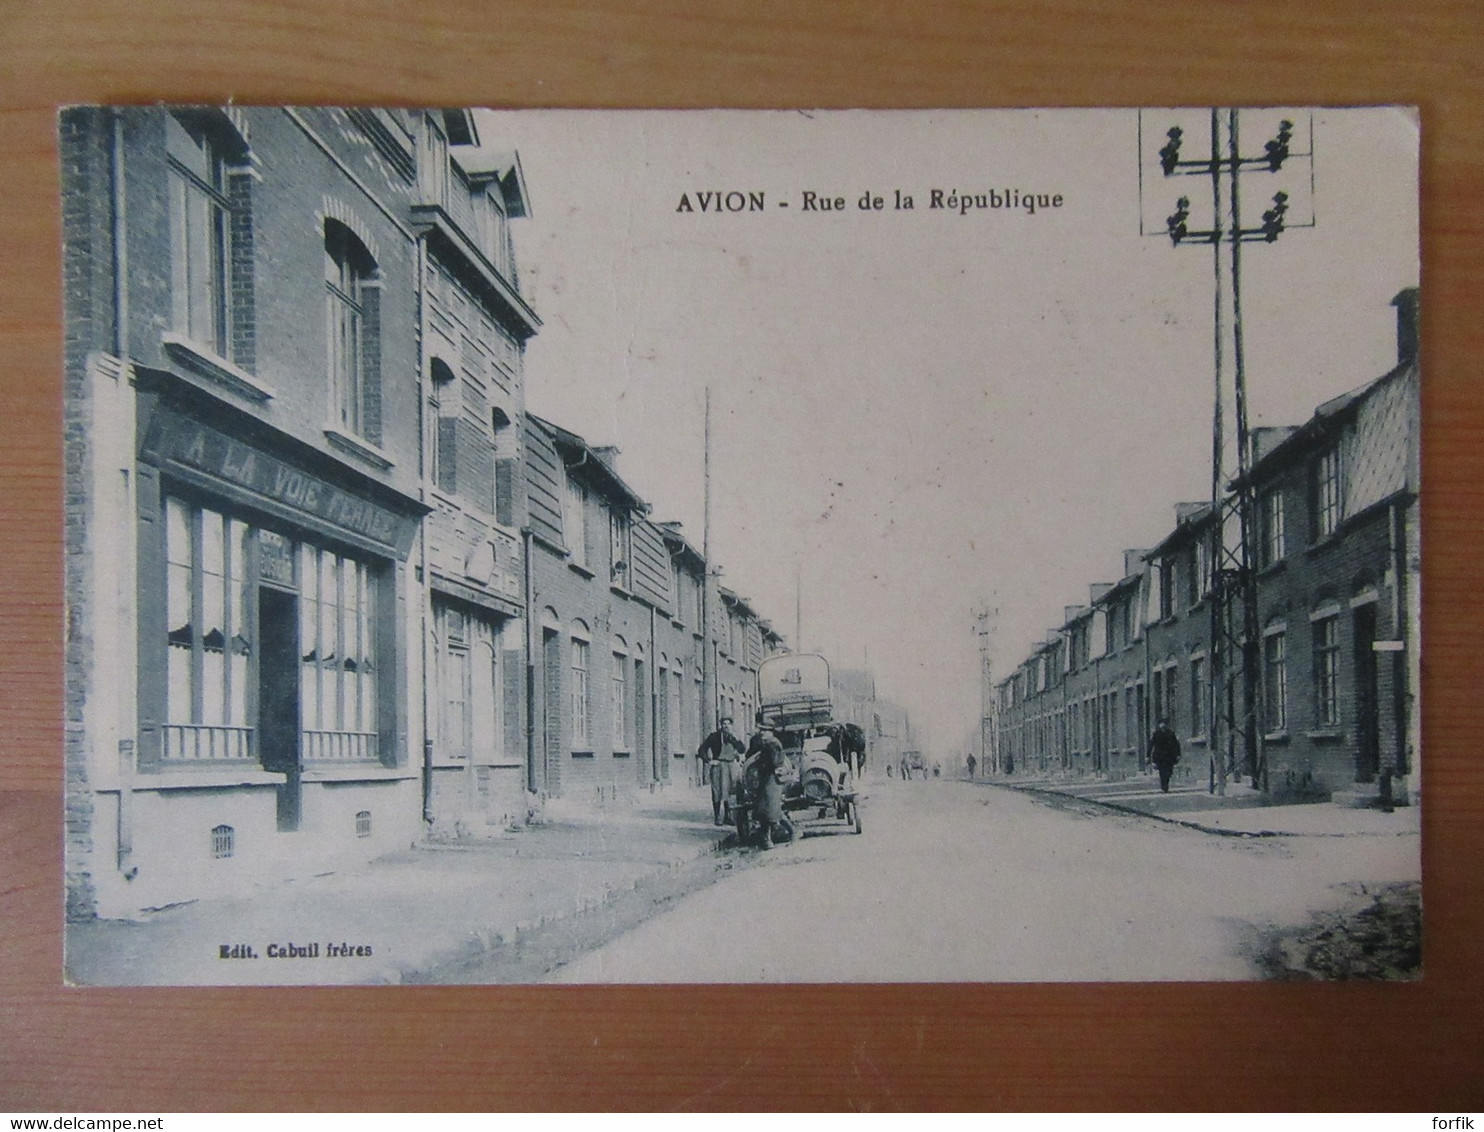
210,211
1325,631
581,692
619,698
353,333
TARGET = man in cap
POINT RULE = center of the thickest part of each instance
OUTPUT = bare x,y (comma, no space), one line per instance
718,753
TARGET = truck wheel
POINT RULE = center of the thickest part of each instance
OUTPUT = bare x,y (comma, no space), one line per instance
855,815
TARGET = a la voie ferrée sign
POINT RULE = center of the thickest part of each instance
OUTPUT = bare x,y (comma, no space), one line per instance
201,452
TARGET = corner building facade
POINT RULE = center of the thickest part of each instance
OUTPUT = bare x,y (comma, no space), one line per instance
245,395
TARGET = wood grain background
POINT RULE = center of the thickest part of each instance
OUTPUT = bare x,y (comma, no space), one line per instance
1041,1047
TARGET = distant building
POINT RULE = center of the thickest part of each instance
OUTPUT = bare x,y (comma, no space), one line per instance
617,603
884,723
1337,551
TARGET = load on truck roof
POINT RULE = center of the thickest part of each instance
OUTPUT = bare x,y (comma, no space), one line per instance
794,691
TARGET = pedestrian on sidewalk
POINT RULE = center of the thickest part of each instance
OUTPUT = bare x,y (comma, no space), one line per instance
1164,753
973,762
718,753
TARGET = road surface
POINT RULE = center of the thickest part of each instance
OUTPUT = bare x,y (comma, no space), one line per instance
954,881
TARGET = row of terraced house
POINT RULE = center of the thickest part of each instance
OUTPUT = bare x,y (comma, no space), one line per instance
1337,555
330,587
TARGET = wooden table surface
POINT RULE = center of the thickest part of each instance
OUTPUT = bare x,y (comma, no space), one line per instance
1261,1046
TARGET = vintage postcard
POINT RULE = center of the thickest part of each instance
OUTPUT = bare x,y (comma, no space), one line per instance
835,546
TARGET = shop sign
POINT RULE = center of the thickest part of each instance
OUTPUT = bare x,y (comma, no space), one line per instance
201,448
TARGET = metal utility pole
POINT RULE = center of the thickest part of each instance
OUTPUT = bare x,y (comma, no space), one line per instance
708,595
988,705
1236,707
798,607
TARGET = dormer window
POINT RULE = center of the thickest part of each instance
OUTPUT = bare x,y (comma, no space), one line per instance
1327,500
619,546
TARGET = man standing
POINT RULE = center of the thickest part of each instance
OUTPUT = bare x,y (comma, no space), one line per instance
973,762
1164,753
718,753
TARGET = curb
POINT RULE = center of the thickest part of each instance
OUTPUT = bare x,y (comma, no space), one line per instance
487,940
1183,823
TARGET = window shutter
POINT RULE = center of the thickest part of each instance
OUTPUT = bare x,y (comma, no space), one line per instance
448,454
513,675
152,613
371,364
505,491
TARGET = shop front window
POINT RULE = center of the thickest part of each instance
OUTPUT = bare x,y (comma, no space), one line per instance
338,670
209,635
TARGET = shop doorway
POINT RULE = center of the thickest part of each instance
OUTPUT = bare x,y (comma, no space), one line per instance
278,699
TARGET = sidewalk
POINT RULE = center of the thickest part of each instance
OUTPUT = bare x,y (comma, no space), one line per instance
408,912
1242,811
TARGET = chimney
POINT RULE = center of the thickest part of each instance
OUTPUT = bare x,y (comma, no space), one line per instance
1133,561
608,453
1406,304
1187,511
1097,590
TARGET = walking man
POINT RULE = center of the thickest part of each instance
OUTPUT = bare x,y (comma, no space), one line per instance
718,753
1164,753
973,762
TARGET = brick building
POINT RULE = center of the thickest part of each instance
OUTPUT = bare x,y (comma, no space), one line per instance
616,600
474,328
243,462
329,589
887,730
1338,561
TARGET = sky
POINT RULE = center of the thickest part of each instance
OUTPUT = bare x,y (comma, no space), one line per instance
917,412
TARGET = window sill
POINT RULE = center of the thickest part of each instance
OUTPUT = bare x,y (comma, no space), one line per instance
208,364
361,449
579,568
1324,542
619,590
1275,737
372,770
582,754
677,624
622,754
1325,734
1273,568
178,776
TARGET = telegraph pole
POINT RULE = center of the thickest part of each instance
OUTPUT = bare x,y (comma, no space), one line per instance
988,705
708,596
1236,693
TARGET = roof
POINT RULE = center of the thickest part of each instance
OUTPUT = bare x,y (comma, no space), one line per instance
501,167
587,457
1189,517
680,546
1327,417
